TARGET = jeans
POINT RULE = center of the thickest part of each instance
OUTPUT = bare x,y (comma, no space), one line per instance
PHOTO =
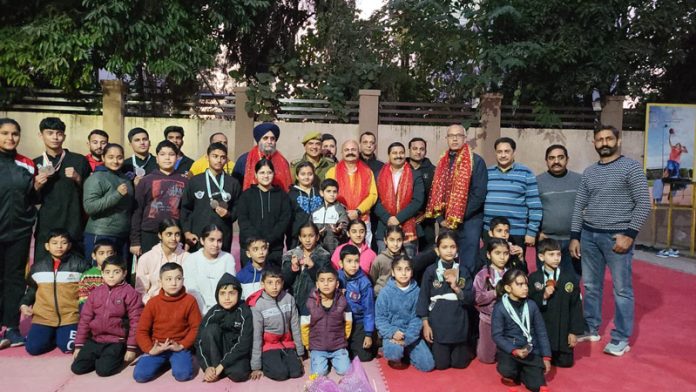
418,353
320,361
43,338
597,254
149,366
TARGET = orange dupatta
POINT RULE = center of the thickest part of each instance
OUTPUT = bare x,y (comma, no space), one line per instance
396,200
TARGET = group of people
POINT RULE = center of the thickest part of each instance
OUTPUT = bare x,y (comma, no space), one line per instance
338,257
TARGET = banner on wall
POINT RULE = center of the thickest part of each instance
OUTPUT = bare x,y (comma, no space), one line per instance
670,131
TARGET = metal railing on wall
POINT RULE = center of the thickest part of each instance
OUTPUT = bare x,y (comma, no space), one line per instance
426,113
55,101
317,110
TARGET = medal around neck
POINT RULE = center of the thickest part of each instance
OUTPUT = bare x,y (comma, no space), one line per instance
139,172
47,169
214,204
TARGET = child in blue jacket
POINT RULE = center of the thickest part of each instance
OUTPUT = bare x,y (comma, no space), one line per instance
517,326
397,322
360,297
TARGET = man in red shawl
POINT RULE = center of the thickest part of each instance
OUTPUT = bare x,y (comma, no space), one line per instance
357,189
401,193
458,193
266,135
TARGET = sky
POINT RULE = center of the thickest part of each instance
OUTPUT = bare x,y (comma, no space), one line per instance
367,7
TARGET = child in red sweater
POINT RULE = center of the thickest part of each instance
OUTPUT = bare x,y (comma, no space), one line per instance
167,328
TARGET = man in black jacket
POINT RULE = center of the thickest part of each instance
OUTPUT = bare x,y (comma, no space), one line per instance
417,149
59,185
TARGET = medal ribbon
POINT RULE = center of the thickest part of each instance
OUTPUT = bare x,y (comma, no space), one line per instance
209,177
47,161
135,165
440,271
523,323
554,275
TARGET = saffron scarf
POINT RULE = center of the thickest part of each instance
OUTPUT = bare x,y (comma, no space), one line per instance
395,200
352,190
450,191
281,176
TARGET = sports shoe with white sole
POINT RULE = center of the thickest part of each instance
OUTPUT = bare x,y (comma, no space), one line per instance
617,348
589,337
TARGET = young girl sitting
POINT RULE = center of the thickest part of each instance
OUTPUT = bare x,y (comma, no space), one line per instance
304,199
168,250
104,341
396,319
356,237
300,265
446,296
205,267
381,269
498,254
524,353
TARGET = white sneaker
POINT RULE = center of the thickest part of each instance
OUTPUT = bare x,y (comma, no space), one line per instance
589,337
673,253
664,253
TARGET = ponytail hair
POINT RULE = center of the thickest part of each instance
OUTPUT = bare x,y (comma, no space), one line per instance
509,278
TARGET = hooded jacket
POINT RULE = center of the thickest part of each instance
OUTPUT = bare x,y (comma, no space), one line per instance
110,315
276,325
236,324
360,297
17,211
109,211
55,294
326,329
395,310
264,214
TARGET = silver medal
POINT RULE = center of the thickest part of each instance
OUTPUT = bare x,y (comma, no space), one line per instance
139,171
226,196
214,204
49,170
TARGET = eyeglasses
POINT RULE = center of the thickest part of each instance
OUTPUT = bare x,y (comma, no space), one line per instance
456,136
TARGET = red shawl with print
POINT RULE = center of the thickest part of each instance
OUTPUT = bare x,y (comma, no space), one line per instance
450,191
281,177
352,190
395,200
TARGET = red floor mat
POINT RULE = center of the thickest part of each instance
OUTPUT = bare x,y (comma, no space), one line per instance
661,356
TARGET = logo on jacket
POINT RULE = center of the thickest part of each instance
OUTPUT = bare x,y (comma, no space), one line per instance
199,195
538,286
354,296
569,287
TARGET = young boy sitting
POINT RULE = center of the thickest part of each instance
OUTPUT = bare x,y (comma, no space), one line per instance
92,278
360,297
327,325
250,275
53,292
500,228
331,218
397,322
167,328
106,333
557,294
226,334
277,338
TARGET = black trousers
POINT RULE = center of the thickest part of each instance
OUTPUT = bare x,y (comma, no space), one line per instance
562,359
529,371
13,261
355,344
281,364
452,355
427,240
213,348
105,358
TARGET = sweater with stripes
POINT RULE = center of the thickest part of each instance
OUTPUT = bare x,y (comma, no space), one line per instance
513,194
613,198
